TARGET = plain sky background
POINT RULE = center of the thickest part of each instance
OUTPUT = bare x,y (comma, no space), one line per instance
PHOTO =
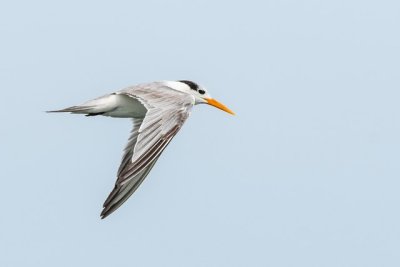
307,173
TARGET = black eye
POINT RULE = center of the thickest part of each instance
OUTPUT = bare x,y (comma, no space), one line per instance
202,92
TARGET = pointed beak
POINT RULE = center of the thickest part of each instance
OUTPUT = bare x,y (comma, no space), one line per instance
215,103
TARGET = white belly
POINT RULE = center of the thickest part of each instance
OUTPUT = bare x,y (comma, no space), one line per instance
122,106
118,106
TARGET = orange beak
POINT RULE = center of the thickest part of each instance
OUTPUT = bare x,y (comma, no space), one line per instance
215,103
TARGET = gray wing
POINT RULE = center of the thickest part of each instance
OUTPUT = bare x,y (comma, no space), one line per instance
167,110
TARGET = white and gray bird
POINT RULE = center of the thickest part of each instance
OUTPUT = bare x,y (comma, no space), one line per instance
159,110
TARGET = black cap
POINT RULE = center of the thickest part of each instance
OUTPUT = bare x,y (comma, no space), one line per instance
192,85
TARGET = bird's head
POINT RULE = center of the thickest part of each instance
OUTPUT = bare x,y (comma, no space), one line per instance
201,95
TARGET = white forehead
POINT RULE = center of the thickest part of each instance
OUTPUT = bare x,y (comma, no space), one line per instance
198,92
179,86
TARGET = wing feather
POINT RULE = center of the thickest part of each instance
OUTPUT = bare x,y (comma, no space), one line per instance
167,110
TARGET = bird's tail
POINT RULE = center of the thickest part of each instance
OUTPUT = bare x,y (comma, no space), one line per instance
78,110
98,106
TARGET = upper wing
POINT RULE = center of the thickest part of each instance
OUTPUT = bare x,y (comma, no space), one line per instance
167,110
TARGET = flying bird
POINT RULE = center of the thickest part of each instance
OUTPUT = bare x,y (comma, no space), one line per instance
158,110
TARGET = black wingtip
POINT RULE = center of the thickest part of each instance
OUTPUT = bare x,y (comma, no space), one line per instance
103,215
105,212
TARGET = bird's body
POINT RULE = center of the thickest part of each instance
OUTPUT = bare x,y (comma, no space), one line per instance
159,110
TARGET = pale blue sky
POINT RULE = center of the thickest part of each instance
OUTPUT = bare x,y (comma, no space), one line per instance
307,173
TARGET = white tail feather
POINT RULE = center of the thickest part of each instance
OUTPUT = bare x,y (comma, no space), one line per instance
113,105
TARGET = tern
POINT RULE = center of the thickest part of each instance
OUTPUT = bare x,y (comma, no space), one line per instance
158,110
